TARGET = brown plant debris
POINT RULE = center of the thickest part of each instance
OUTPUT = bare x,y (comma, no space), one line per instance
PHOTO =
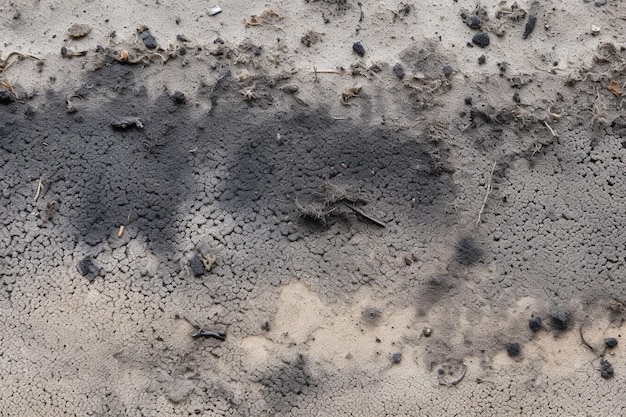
615,88
349,93
267,17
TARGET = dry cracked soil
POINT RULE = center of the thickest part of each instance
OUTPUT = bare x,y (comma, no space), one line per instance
317,207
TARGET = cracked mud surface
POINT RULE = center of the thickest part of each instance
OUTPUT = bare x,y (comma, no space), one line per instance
233,168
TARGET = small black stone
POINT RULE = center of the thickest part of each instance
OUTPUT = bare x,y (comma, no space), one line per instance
560,319
87,268
468,100
196,266
398,70
358,49
606,369
516,98
473,22
178,97
396,357
5,97
534,324
440,371
482,59
147,38
530,26
481,39
447,71
219,40
378,340
266,326
610,342
513,349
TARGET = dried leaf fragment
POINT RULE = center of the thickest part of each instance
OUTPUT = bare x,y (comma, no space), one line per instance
615,88
267,17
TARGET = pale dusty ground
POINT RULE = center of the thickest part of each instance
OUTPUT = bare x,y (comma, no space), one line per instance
80,347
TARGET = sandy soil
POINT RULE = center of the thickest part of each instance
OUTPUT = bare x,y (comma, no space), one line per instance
375,234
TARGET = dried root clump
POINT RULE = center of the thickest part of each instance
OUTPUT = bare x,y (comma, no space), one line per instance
249,94
349,93
329,200
311,37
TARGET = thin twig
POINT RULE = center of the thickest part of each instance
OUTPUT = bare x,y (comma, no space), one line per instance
364,215
489,188
39,188
550,129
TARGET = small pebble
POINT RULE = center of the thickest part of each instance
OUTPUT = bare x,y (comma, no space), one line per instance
606,369
530,26
468,100
447,71
516,98
474,22
610,342
358,49
513,349
560,319
147,38
534,324
482,59
396,357
196,266
481,39
398,70
427,331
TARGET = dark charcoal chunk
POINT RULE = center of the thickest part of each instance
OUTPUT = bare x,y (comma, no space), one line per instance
516,98
196,266
560,319
358,48
606,369
398,70
447,71
147,38
610,342
290,89
468,252
179,98
468,100
87,268
266,327
482,59
513,349
534,324
396,357
5,97
530,26
481,39
472,21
